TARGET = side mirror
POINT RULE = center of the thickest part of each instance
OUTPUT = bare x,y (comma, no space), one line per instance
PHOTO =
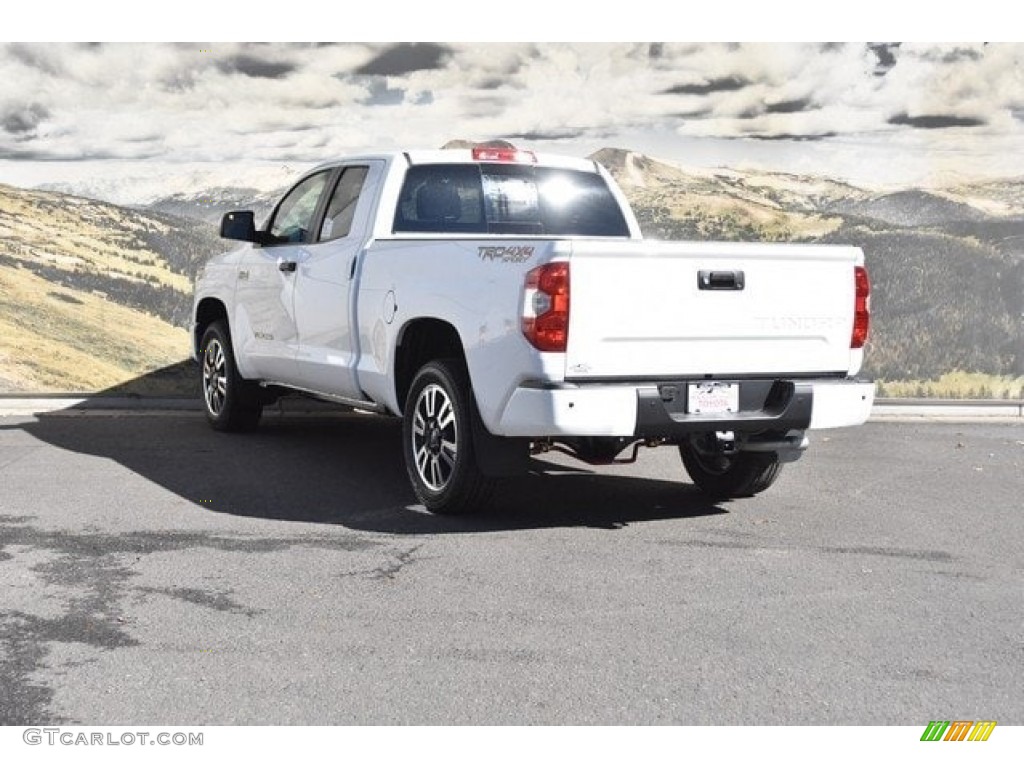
239,225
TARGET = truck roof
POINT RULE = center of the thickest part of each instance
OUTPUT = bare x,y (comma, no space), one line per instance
430,156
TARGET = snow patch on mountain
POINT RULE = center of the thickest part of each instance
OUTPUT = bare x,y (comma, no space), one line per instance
143,184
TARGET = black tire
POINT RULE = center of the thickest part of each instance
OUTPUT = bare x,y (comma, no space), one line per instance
735,476
231,403
437,440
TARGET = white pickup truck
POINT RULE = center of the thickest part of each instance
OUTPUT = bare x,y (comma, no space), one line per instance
503,303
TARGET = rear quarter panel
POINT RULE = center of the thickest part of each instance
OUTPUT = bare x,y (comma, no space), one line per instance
475,285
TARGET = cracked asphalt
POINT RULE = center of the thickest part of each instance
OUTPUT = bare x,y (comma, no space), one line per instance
152,571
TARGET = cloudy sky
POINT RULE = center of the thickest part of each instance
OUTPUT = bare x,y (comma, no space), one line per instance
874,113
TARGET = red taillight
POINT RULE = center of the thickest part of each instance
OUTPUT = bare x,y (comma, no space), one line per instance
861,308
546,307
503,155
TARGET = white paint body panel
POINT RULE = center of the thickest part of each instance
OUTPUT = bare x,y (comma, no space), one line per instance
449,281
836,405
637,310
325,301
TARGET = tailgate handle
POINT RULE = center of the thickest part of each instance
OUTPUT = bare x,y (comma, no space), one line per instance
720,280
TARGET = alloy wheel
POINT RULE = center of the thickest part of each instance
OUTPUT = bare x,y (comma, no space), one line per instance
435,437
215,377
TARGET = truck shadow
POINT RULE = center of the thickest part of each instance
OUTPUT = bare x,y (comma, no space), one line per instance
345,468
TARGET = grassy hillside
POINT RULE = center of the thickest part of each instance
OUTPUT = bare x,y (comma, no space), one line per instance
91,295
59,339
956,385
940,303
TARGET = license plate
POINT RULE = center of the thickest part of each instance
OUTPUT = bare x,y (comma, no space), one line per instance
713,397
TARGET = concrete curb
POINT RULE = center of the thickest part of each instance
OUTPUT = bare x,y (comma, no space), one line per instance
992,411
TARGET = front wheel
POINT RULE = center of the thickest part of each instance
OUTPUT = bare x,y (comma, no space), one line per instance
437,439
232,404
728,476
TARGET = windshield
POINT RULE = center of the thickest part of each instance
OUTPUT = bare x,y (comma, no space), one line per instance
507,199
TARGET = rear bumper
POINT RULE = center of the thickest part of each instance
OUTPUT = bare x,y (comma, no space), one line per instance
659,410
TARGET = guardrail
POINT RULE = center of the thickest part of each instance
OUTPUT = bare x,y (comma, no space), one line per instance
934,402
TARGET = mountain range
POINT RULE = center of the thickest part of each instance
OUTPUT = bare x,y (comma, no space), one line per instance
94,293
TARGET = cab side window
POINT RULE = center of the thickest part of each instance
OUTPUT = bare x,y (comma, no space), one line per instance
341,209
293,218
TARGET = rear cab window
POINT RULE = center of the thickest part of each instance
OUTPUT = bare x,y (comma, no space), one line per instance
501,198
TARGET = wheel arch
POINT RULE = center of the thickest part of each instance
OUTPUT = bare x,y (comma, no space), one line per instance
208,310
418,342
425,339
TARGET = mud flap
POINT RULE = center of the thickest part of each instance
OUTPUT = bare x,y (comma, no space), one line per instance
499,456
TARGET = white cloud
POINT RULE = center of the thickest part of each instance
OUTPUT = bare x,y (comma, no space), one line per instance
301,103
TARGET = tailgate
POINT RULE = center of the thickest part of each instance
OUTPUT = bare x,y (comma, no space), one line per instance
698,309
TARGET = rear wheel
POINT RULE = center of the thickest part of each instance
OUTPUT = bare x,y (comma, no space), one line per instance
437,439
728,475
232,404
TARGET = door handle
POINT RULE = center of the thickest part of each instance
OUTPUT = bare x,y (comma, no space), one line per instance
287,266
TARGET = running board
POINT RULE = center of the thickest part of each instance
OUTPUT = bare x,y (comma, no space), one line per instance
363,405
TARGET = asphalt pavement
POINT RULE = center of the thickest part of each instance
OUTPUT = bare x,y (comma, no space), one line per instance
152,571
